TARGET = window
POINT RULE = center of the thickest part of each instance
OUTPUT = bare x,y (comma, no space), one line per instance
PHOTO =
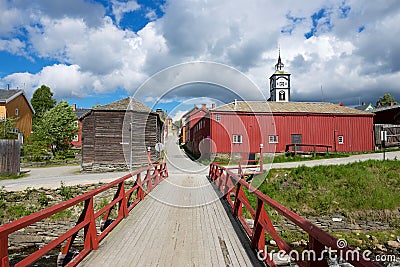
15,130
273,139
340,139
237,139
282,95
281,83
218,117
76,124
16,112
76,138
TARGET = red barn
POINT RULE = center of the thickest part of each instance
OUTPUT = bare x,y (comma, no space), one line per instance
243,126
77,141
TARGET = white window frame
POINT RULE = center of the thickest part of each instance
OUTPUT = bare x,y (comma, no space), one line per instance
218,117
76,138
237,139
16,112
340,140
273,139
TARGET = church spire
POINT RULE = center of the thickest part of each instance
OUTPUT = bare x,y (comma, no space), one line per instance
279,66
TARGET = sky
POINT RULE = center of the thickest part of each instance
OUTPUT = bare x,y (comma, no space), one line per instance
93,52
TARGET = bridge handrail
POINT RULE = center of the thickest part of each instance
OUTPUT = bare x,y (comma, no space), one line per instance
231,186
154,175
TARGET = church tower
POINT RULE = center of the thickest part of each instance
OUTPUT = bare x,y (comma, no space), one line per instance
279,83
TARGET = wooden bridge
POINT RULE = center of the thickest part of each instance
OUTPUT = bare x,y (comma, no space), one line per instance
192,218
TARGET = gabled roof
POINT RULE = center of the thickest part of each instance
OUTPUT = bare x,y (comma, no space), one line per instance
125,104
190,111
288,107
365,107
385,108
6,96
81,112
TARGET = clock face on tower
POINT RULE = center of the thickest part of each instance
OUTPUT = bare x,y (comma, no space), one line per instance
281,82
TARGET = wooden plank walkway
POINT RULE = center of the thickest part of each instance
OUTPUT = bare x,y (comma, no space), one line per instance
191,229
182,222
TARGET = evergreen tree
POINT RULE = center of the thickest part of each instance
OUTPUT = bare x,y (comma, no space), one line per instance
42,101
385,100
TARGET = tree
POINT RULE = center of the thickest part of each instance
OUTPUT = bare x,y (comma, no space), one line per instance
385,100
56,128
42,101
6,128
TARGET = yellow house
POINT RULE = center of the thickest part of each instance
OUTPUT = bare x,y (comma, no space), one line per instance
15,104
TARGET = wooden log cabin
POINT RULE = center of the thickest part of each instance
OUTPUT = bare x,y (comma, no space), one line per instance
116,136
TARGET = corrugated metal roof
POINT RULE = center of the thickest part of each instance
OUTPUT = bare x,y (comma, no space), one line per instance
128,103
288,107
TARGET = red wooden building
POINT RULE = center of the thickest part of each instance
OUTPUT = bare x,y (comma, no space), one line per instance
243,126
77,141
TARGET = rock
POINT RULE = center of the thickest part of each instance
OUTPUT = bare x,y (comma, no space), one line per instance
303,242
374,240
295,244
381,247
393,244
250,222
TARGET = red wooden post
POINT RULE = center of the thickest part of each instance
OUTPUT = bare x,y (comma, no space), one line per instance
149,156
261,159
317,247
149,183
4,251
237,206
258,237
123,203
139,194
91,241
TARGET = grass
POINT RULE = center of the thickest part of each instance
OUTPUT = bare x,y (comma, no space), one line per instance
294,158
362,186
12,177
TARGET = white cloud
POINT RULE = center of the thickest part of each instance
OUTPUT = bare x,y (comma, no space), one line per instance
120,8
354,51
178,115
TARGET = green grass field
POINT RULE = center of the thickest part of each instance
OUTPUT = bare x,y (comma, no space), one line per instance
361,186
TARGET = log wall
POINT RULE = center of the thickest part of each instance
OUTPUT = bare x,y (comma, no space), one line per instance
9,157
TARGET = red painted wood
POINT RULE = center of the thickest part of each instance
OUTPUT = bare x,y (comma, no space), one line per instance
322,129
87,219
262,223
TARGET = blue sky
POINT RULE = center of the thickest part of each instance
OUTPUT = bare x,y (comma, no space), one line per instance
95,52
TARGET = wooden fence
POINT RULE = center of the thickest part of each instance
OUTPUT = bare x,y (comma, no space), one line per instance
9,157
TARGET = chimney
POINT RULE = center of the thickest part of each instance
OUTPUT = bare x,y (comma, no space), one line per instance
8,86
203,106
341,104
391,104
213,105
74,107
235,104
194,105
363,104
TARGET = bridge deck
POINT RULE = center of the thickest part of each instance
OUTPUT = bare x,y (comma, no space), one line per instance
182,223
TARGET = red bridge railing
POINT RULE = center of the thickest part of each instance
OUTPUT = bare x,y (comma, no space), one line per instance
124,201
232,186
